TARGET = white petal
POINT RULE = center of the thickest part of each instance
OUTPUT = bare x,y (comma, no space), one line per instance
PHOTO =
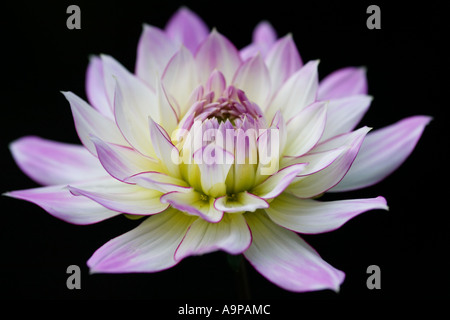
154,51
231,234
305,129
148,248
95,88
121,197
275,184
50,162
60,203
164,149
253,78
296,93
240,202
285,259
122,162
317,183
343,114
311,216
217,52
179,79
89,122
194,203
382,152
283,60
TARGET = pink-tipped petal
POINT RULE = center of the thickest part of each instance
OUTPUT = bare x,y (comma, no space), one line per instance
231,235
240,202
121,197
95,88
121,162
283,60
253,78
89,122
343,114
382,152
60,203
194,203
148,248
314,161
285,259
275,184
187,28
49,162
154,51
315,184
298,92
264,36
217,52
311,216
342,83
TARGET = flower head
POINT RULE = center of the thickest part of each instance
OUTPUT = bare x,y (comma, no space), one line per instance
217,149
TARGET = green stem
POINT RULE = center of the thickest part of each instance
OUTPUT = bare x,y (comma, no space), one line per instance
238,264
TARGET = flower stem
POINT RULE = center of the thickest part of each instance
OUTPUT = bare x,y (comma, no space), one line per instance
238,264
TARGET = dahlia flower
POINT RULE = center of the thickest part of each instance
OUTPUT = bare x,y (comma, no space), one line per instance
216,148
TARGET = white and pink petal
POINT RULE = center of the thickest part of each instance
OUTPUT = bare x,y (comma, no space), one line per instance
382,152
148,248
286,260
194,203
311,216
50,163
231,235
62,204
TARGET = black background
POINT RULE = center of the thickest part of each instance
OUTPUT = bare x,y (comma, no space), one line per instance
404,60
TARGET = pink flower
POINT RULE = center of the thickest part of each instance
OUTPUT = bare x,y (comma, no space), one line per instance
221,149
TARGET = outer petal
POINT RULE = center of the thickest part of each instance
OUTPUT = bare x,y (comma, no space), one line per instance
283,60
343,114
60,203
317,183
95,88
264,36
122,162
194,203
296,93
382,152
154,51
240,202
89,122
253,78
49,162
186,28
122,197
217,52
311,216
231,234
315,161
305,129
148,248
275,184
285,259
342,83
